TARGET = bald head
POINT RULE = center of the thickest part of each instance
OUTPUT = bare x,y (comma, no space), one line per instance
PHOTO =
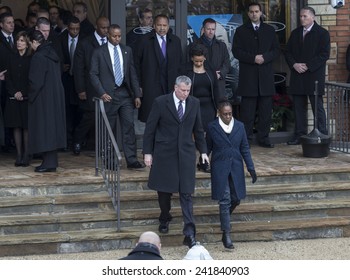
150,237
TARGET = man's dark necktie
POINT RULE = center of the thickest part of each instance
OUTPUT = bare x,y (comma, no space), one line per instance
180,110
71,54
118,75
163,46
10,41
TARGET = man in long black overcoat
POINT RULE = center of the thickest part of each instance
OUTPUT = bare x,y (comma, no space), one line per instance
169,147
308,50
156,72
255,45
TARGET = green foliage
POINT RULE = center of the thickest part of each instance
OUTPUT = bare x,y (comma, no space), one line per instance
282,111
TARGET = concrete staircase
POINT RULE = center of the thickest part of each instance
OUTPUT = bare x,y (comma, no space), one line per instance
80,217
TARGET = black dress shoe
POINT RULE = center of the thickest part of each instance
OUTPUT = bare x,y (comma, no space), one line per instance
25,161
189,241
164,227
76,149
136,165
43,169
226,240
294,142
18,161
266,145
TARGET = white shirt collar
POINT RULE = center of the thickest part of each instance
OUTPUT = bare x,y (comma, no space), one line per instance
177,100
309,28
98,38
75,38
6,35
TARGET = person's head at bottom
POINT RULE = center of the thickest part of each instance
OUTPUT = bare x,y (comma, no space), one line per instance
147,248
151,238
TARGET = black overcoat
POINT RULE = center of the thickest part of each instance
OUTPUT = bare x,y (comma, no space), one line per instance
228,153
255,79
46,105
16,112
156,75
217,95
81,71
218,57
172,144
314,50
144,251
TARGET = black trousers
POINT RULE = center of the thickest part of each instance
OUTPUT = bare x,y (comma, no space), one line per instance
122,107
300,113
186,202
262,107
50,159
86,124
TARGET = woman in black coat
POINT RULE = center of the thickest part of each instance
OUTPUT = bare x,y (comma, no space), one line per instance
16,110
204,87
46,104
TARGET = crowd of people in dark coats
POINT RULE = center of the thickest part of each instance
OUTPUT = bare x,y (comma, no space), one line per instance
51,68
38,100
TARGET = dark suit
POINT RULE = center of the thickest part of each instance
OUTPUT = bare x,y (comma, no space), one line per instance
82,82
156,74
86,28
6,51
172,143
62,44
123,97
314,50
256,81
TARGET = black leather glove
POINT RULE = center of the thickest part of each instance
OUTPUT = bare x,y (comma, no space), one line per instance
253,175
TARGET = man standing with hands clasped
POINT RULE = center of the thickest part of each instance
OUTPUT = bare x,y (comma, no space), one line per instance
173,131
255,45
308,50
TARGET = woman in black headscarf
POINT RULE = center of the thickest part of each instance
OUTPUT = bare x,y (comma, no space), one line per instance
46,104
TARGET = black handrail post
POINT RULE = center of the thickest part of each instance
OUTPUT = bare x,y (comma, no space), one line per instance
109,156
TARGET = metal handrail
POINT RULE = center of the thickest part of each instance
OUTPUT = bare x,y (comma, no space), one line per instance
338,115
108,157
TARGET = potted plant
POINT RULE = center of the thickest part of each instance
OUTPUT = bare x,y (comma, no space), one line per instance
281,112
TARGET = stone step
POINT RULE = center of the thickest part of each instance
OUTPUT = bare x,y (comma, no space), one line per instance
42,187
245,212
55,203
48,222
31,189
108,239
98,200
